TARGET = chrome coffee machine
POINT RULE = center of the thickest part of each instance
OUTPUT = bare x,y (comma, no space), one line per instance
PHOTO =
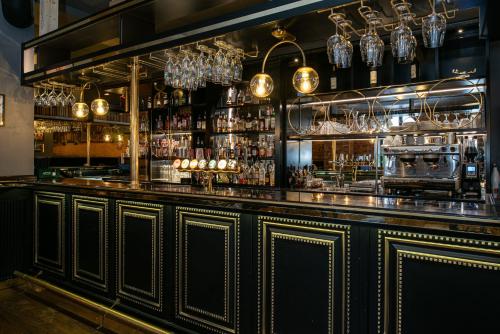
413,169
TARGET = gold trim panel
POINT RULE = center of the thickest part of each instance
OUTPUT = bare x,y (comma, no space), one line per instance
99,205
154,213
59,200
221,221
384,240
343,231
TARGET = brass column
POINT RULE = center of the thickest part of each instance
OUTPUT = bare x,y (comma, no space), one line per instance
134,123
88,144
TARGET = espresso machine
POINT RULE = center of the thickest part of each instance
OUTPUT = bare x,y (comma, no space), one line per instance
428,169
471,179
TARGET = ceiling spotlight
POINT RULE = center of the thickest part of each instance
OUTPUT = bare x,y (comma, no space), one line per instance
460,31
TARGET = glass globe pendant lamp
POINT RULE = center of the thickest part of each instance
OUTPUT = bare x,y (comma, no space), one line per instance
99,106
305,80
433,29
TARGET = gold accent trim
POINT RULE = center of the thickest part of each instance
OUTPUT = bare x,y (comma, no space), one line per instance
153,212
429,240
402,254
344,231
214,226
230,218
331,254
58,200
99,205
91,304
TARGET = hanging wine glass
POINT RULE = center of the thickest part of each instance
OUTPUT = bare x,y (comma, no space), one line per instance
237,66
70,98
37,98
209,65
227,70
169,69
177,73
201,67
61,98
217,68
433,28
193,75
371,45
403,43
52,98
339,48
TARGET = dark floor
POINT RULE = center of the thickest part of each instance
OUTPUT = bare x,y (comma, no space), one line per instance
20,314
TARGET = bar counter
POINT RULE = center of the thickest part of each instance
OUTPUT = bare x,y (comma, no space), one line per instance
264,261
258,199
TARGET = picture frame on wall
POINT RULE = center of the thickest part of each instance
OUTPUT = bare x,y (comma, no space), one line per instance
2,109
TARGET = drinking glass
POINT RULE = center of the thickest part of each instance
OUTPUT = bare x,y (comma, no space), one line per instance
339,50
61,98
209,65
52,97
217,68
403,43
169,69
237,67
201,68
227,70
433,30
70,98
372,46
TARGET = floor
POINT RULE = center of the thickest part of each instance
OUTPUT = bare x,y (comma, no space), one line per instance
22,314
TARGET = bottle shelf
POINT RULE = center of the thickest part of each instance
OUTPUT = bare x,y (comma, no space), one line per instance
243,106
251,132
177,132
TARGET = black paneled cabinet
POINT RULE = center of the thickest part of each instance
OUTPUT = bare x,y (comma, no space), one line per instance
215,271
428,283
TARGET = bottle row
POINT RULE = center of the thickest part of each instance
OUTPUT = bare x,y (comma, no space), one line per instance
227,121
181,120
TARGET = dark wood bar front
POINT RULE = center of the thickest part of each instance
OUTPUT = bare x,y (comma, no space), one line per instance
228,264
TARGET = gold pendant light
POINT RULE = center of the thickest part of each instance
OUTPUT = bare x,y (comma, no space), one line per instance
99,106
305,80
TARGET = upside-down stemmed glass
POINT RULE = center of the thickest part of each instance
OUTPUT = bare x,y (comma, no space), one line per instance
371,45
403,43
237,67
217,68
433,29
70,98
339,50
169,69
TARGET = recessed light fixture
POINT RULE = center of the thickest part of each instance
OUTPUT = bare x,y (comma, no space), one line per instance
460,31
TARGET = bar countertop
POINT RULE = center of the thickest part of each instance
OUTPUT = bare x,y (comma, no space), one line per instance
352,203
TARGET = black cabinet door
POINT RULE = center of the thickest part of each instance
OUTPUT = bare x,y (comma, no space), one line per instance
304,270
90,241
139,234
49,232
207,269
428,283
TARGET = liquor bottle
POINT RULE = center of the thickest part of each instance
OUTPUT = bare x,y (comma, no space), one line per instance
219,123
254,150
149,102
270,149
204,122
271,175
268,177
248,123
198,123
262,175
273,120
267,121
262,149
